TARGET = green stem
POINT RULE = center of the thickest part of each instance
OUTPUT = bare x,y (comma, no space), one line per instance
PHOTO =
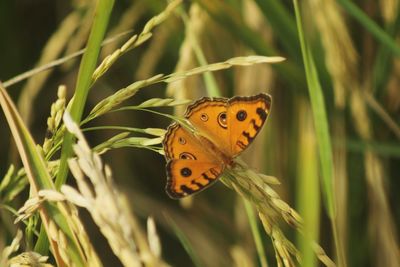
256,233
86,69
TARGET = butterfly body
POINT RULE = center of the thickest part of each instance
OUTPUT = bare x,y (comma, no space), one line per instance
223,128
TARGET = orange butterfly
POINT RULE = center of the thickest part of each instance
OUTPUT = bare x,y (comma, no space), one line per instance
223,128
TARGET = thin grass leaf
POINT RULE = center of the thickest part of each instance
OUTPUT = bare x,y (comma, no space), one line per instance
84,80
150,131
163,102
321,126
39,179
281,20
135,40
25,75
123,94
308,188
224,14
384,58
12,184
256,233
209,80
383,149
378,33
184,241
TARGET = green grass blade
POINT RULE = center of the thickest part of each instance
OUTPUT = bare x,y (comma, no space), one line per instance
39,178
231,20
209,80
184,241
378,33
322,132
84,80
307,188
256,233
384,58
283,24
320,120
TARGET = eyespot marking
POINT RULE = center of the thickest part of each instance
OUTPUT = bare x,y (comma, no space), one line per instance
222,120
187,155
182,140
241,115
186,172
204,117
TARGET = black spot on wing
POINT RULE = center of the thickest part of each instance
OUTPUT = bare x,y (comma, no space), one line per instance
205,176
248,137
198,184
262,114
187,190
255,126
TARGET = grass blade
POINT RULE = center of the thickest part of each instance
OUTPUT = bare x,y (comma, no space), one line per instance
39,179
256,233
322,131
84,80
378,33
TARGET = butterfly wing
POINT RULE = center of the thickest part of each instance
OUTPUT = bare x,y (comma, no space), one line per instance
246,116
190,168
186,177
209,117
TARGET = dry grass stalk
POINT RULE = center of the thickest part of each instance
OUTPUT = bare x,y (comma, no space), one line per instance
126,22
341,57
240,258
382,228
156,49
198,19
24,259
9,250
123,94
108,207
386,252
87,251
389,9
135,40
271,209
86,10
55,45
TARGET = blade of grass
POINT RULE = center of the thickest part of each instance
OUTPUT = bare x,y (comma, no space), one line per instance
384,58
39,178
378,33
256,233
322,131
230,19
307,188
283,24
86,69
184,241
209,80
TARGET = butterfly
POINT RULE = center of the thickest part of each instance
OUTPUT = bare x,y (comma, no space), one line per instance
222,129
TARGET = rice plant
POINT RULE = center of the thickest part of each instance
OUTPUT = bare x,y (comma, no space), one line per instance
88,91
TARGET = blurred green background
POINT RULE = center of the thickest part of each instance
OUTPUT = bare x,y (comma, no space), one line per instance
355,49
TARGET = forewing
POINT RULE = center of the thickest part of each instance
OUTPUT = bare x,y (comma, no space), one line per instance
246,117
209,117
